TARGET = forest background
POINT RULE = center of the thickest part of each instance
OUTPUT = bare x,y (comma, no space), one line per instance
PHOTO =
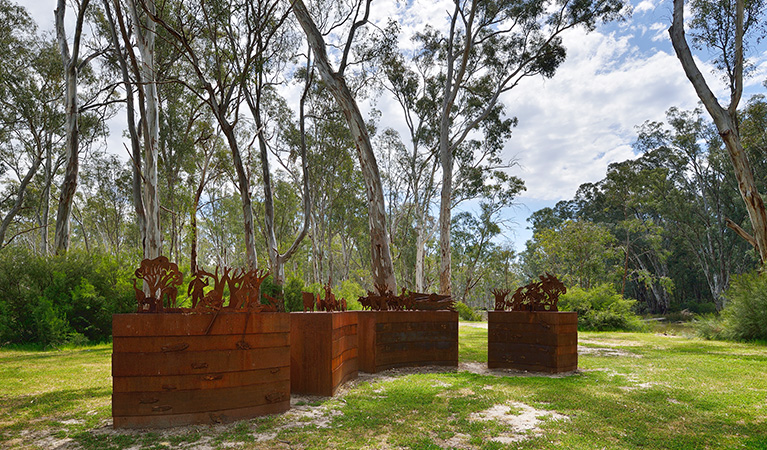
244,145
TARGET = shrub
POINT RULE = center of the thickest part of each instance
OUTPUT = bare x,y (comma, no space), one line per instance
61,299
745,315
601,308
293,299
709,326
351,291
465,312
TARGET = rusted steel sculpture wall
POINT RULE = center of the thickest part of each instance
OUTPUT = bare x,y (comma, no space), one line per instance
323,351
533,336
389,339
209,363
539,341
167,371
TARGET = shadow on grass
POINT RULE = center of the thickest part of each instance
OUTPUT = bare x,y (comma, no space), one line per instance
50,403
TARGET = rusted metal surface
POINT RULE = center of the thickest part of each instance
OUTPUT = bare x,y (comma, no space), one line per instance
323,351
308,301
167,372
385,300
330,303
161,279
389,339
535,341
540,295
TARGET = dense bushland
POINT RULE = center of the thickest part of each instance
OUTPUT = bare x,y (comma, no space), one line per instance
744,317
62,299
601,308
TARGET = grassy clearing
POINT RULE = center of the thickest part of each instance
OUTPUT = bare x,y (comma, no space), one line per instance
633,390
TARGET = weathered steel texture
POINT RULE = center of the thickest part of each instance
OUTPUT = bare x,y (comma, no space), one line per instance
323,351
535,341
167,372
161,279
329,303
537,296
308,301
244,289
389,339
385,300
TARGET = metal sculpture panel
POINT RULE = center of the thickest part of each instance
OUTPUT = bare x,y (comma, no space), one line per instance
385,300
161,279
540,295
329,303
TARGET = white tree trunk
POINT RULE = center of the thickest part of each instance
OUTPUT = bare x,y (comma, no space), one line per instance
382,267
145,40
726,121
72,146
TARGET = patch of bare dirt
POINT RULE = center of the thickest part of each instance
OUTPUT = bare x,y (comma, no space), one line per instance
606,352
523,420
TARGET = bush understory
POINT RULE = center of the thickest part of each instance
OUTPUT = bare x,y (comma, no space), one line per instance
601,308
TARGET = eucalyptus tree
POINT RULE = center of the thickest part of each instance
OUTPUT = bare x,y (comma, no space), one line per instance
338,204
274,45
209,164
485,50
580,252
729,29
119,32
70,57
700,195
416,166
104,201
217,43
353,21
31,120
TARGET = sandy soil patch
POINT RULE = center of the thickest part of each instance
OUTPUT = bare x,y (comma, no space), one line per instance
606,352
523,420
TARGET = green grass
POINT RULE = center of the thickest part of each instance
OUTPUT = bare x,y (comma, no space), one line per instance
633,390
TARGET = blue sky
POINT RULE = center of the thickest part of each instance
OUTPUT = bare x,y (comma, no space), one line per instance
571,127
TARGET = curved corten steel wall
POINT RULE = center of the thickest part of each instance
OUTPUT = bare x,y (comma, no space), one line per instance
389,339
323,351
536,341
168,372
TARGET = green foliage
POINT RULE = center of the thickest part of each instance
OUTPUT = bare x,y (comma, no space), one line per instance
293,300
63,299
268,287
601,308
745,316
710,326
465,312
579,251
351,291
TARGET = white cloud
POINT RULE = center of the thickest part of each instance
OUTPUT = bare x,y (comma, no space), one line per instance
644,6
577,123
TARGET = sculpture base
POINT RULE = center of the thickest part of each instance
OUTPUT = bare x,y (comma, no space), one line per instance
168,372
389,339
540,341
323,351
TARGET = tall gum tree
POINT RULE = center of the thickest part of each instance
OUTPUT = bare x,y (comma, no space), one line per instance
722,26
488,48
70,57
218,48
381,261
145,31
272,45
